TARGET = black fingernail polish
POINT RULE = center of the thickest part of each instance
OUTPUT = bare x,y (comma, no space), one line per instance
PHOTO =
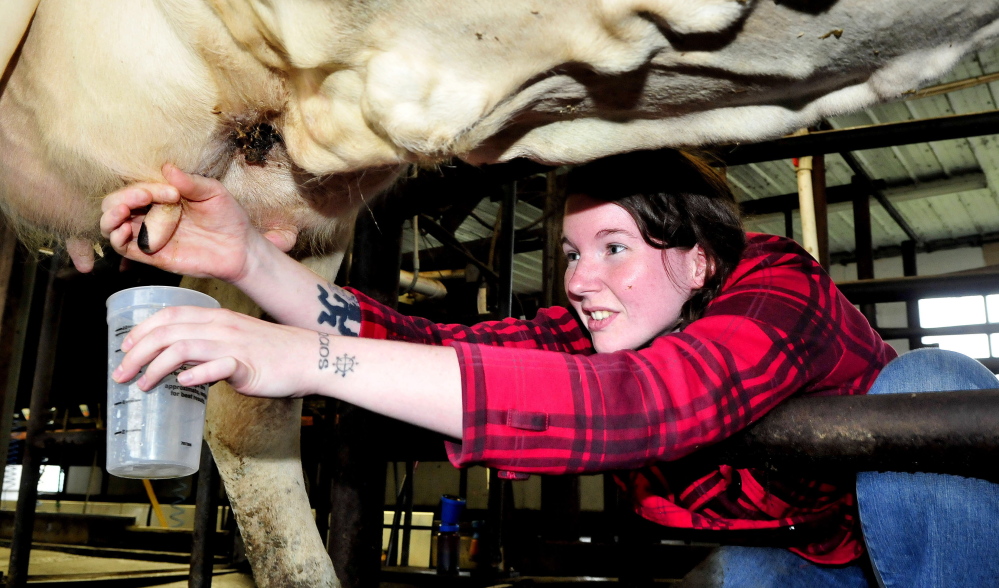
143,240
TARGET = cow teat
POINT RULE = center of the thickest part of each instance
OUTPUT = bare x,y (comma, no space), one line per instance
158,226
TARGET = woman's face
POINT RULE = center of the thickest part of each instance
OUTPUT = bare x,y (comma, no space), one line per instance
618,283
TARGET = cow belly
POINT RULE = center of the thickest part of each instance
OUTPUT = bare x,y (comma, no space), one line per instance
77,122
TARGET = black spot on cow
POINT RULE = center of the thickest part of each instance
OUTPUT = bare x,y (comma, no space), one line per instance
255,141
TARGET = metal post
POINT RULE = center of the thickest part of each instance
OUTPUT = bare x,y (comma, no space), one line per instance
24,516
356,461
864,242
553,260
559,494
407,521
944,432
205,516
821,208
16,331
505,250
958,126
911,306
500,490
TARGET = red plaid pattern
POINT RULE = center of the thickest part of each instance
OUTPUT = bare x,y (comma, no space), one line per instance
779,328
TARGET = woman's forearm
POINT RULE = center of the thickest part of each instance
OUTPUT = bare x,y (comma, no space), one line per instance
418,384
294,295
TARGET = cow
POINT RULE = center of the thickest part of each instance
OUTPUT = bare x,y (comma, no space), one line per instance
306,110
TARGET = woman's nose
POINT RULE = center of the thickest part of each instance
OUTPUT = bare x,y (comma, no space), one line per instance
581,279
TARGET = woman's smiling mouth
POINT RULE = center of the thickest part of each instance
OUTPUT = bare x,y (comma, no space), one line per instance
599,319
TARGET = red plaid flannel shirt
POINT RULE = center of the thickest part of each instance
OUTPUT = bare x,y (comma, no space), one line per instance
779,328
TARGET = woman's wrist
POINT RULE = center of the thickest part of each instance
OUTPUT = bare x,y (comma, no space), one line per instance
261,259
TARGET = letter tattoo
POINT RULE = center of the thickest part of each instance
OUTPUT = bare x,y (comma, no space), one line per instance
342,312
324,350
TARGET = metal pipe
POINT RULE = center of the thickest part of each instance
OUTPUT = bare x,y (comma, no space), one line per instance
945,432
859,171
863,241
357,467
806,206
914,288
900,192
432,289
821,209
407,522
446,274
205,519
24,516
957,126
439,233
20,341
911,306
506,250
918,331
415,275
499,505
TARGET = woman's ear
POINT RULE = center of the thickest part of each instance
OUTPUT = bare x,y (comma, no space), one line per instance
699,267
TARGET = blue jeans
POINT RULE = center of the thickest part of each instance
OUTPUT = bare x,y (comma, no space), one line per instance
921,530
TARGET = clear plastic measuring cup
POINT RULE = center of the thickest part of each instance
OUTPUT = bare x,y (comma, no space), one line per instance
154,434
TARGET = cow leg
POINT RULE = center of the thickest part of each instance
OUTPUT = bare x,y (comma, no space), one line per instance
255,443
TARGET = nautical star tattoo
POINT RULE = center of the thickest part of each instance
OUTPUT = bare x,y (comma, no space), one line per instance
342,312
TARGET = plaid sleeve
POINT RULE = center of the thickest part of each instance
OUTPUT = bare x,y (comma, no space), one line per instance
553,329
778,328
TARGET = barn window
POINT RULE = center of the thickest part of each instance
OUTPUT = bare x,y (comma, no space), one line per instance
962,311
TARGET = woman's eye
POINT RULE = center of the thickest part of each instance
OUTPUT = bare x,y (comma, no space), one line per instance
615,248
571,256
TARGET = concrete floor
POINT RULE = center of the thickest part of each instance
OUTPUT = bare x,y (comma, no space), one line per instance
46,565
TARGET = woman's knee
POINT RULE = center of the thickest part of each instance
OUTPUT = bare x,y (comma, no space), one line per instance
933,370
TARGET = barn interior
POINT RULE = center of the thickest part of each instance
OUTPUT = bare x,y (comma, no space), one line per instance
906,198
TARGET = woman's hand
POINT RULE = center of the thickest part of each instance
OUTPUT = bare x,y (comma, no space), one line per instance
190,225
256,357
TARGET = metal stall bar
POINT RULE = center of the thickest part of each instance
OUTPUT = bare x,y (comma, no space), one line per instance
19,339
205,515
821,208
979,282
911,306
958,126
356,460
24,516
943,432
858,171
500,490
864,243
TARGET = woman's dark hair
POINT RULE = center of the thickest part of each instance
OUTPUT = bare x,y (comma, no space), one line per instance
677,200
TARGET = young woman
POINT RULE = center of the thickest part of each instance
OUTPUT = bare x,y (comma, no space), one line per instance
683,330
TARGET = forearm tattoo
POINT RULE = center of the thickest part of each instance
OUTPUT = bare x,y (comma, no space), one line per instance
340,310
342,365
324,350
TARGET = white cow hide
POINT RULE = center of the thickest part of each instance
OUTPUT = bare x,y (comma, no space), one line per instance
304,109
